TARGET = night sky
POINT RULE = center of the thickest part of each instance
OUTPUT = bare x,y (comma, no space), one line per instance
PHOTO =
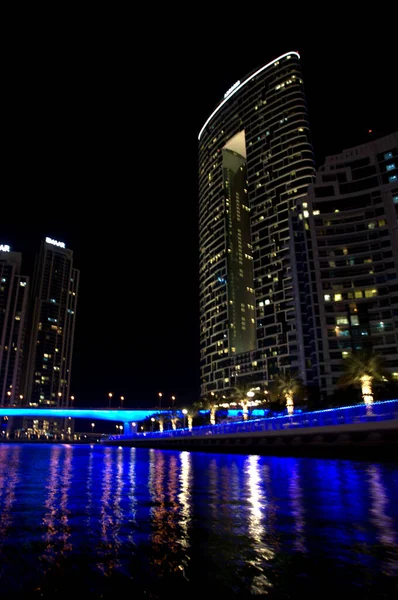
101,141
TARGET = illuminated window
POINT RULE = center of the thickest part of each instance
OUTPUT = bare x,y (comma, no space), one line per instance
327,297
338,297
392,178
370,293
387,155
395,199
354,320
358,294
342,320
390,167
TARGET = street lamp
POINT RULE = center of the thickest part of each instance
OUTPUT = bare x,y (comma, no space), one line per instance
72,399
110,398
173,399
92,427
185,412
160,399
121,400
153,420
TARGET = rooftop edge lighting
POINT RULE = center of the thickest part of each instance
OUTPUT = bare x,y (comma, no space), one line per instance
237,86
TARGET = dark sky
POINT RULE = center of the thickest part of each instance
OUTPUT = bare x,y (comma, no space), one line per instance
101,152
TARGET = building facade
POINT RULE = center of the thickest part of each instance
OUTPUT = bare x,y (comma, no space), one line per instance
14,289
350,222
51,326
255,165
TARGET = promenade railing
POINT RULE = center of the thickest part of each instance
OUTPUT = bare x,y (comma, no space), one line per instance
359,413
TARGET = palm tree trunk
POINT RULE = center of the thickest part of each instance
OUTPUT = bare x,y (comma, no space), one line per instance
161,426
213,415
366,388
245,411
174,423
190,422
289,403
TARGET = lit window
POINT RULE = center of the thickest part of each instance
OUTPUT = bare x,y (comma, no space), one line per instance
267,301
338,297
327,297
358,294
387,155
342,320
354,320
392,178
395,199
370,293
390,167
22,283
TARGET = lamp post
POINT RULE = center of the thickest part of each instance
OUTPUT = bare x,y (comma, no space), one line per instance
110,398
92,427
72,399
152,422
173,399
185,412
121,401
160,399
9,397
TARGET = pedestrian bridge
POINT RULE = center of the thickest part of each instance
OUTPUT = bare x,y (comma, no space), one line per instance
126,416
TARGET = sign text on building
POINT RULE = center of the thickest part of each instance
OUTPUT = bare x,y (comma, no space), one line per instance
4,248
55,243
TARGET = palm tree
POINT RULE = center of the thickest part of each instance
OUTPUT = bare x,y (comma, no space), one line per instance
243,394
191,412
160,418
209,403
288,386
363,368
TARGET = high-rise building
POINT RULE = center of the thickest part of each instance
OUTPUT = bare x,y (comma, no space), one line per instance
255,164
350,222
51,326
14,289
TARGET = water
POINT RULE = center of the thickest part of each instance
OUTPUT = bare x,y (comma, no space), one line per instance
105,522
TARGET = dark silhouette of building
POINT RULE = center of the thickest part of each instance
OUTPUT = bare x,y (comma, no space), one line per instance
51,326
14,289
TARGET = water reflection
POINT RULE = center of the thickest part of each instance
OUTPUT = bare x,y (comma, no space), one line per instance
56,516
184,497
9,464
297,508
386,535
132,494
257,506
111,513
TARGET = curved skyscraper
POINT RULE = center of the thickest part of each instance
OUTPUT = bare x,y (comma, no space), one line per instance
255,163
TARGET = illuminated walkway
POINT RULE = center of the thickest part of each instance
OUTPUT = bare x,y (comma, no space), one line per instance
354,417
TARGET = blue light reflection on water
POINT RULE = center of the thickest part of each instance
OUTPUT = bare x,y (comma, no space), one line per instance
111,521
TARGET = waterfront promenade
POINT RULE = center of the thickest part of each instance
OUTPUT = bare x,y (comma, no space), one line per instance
353,430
